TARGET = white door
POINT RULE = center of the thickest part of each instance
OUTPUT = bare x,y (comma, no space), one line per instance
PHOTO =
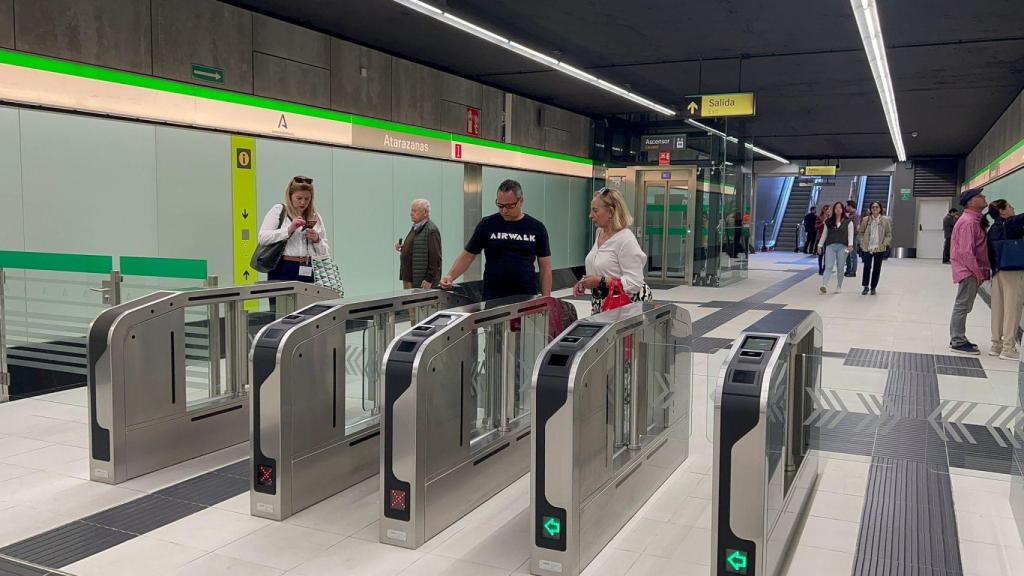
929,227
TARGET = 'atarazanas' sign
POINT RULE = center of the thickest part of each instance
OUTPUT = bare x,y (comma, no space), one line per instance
377,139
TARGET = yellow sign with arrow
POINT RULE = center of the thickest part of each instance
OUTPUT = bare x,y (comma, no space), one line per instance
720,105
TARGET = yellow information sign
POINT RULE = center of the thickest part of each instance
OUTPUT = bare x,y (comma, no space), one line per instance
721,105
243,204
820,170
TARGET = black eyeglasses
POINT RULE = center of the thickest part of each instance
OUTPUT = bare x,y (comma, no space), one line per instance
302,180
506,206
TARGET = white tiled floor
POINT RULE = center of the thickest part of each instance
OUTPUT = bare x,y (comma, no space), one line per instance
43,472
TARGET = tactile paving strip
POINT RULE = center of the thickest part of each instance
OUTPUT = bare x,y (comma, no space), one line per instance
908,524
11,568
80,539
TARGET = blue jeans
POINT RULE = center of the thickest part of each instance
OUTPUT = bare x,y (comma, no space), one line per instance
835,260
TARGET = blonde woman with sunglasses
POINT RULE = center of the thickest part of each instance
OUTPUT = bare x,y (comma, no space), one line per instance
616,254
297,223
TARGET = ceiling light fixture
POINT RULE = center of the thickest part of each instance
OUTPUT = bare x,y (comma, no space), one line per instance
866,13
554,63
733,139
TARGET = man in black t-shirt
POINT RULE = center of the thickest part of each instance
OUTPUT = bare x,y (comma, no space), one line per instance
511,242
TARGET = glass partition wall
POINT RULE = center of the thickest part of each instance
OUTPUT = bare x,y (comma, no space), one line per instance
693,217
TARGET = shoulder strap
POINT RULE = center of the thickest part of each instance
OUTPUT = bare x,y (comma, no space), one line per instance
280,218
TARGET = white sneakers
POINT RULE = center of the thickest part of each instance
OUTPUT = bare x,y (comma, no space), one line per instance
1009,354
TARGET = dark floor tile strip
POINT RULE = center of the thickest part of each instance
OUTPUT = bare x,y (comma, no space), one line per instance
908,524
13,568
97,532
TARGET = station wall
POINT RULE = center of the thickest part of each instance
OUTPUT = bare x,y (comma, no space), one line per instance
82,184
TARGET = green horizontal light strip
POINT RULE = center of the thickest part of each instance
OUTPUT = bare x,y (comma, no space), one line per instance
1012,150
673,231
671,207
164,267
83,263
140,81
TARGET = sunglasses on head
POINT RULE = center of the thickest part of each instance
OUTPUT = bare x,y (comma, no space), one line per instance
302,180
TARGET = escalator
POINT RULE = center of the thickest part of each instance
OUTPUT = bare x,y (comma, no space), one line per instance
877,190
789,232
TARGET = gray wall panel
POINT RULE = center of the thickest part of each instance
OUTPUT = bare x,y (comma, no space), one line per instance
368,95
557,140
6,23
461,91
526,126
111,33
204,32
278,38
1006,132
492,113
415,94
454,117
287,80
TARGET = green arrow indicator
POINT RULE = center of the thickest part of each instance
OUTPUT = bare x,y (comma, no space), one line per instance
553,527
737,561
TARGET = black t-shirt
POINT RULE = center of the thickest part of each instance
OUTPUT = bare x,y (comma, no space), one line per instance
511,249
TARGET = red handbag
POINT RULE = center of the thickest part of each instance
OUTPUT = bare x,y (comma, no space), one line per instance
617,296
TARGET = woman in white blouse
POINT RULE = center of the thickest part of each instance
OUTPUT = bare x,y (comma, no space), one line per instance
616,253
297,222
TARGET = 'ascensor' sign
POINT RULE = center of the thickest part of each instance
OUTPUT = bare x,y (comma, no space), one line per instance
388,141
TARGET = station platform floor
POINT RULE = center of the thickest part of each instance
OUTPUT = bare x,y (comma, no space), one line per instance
907,494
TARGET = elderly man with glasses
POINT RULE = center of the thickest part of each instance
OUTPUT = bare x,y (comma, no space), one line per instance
511,241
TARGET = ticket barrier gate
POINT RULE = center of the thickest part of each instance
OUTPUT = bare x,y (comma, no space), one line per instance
611,424
315,380
168,375
765,466
456,413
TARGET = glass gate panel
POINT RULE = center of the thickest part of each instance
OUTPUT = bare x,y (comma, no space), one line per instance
677,238
654,224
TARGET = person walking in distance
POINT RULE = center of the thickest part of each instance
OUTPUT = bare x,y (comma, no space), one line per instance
511,241
947,232
836,243
421,250
851,259
819,229
810,224
875,234
968,254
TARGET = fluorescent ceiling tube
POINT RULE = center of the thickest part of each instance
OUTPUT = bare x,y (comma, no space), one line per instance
733,139
866,13
494,38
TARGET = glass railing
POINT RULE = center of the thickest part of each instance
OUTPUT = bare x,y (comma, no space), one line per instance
48,300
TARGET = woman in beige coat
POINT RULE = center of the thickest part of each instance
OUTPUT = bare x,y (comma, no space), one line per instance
875,239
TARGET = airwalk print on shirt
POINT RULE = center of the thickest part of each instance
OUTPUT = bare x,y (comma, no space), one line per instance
511,250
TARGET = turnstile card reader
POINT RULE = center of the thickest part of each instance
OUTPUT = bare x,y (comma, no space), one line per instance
765,465
456,413
611,424
168,375
316,378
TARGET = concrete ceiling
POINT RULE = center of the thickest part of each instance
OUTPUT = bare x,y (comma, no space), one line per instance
956,65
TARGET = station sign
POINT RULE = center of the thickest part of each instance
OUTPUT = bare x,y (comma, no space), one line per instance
720,105
819,170
400,142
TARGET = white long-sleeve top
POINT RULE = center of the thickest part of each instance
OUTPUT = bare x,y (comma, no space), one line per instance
298,244
619,257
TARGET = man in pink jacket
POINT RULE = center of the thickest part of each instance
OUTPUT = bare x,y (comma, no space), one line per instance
969,256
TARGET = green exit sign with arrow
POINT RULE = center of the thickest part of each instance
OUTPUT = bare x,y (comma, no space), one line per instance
207,74
736,561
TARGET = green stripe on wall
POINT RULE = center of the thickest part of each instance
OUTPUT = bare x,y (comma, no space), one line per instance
674,231
163,267
83,263
131,79
998,159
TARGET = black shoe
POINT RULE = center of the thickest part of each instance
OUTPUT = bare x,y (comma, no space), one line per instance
873,292
965,348
864,292
848,275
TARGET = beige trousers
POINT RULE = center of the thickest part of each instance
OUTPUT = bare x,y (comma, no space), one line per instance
1007,303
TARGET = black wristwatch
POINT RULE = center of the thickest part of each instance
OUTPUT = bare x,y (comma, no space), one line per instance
603,285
